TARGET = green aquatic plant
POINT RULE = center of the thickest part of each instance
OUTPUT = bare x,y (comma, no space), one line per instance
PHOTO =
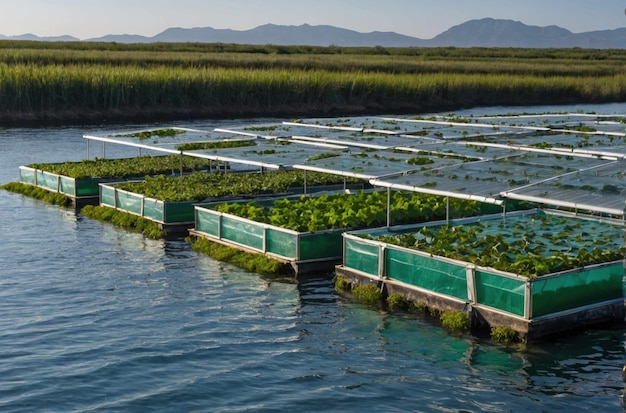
456,321
125,167
195,146
398,302
161,133
360,210
257,263
126,220
367,294
341,284
504,335
31,191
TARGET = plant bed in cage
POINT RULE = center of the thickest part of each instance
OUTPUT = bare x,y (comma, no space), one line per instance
303,228
171,200
81,179
529,266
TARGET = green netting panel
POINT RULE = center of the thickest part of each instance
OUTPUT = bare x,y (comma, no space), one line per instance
128,202
324,245
497,291
572,290
207,222
48,180
361,255
87,187
107,196
27,175
67,185
178,212
153,209
242,232
282,243
426,272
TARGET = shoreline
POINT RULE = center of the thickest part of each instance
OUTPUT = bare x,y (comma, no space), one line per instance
74,117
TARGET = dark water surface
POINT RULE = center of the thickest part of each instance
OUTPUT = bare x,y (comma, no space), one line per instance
93,318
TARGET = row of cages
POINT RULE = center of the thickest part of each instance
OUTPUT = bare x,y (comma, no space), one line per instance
511,293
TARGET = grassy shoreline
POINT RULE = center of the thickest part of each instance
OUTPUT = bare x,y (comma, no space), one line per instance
81,82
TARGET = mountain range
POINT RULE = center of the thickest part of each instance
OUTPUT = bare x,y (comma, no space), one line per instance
485,32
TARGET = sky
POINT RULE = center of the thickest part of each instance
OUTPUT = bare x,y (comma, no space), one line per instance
423,19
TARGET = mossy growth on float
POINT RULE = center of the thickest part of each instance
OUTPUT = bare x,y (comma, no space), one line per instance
367,294
504,335
125,220
455,321
248,261
54,198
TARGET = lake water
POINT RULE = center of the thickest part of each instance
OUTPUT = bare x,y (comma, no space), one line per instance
95,319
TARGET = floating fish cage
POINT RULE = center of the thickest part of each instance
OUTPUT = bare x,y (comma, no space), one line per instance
306,252
171,216
82,191
533,304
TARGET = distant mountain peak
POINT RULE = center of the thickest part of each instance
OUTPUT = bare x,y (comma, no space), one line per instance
485,32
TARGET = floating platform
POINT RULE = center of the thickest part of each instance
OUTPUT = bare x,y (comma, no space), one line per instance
306,252
535,307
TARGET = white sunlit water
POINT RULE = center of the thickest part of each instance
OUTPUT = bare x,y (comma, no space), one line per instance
93,318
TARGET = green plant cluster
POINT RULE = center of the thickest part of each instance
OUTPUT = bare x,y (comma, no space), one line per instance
367,294
200,186
159,133
456,321
123,168
35,192
125,220
194,146
257,263
398,302
532,247
504,335
360,210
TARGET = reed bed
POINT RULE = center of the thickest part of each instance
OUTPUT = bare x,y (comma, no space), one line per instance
72,80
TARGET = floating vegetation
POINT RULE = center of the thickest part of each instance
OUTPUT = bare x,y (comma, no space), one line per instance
126,220
504,335
456,321
122,168
195,146
160,133
367,294
360,210
531,246
200,185
31,191
252,262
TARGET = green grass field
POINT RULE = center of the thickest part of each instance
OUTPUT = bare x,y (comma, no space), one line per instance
67,81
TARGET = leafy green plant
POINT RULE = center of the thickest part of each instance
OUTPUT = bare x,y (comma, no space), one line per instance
456,321
367,294
398,302
531,246
199,186
360,210
504,334
341,284
419,160
195,146
323,156
122,168
161,133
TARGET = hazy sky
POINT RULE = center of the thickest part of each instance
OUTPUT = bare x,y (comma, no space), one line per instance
419,18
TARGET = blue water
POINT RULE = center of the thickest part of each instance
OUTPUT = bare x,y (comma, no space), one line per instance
95,319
